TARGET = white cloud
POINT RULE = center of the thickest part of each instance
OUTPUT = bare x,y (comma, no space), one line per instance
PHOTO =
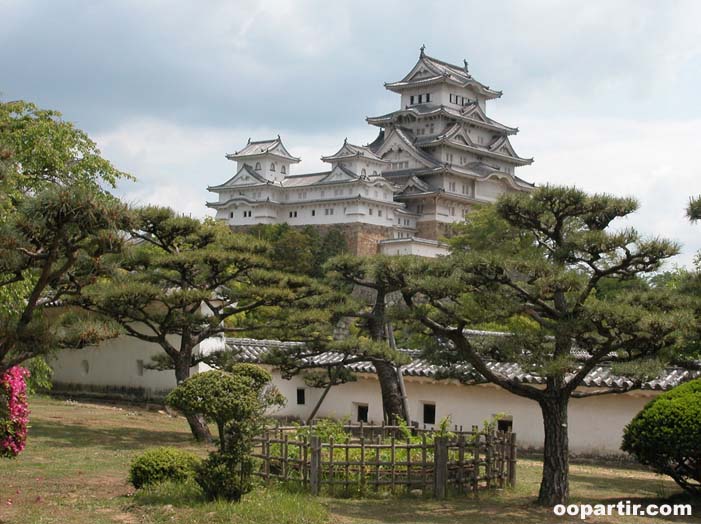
653,161
174,164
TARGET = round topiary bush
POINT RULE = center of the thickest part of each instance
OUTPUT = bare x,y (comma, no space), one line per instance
666,435
159,464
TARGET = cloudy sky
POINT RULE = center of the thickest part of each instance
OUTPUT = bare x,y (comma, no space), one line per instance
606,94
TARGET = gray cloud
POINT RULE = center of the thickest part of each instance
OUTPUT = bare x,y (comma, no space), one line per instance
604,92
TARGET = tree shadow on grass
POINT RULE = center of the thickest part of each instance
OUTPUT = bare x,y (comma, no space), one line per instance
450,511
643,491
645,488
62,435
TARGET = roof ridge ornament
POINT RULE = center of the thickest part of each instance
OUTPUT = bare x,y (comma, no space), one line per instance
422,49
466,66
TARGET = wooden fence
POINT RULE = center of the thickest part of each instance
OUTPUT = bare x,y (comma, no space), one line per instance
377,458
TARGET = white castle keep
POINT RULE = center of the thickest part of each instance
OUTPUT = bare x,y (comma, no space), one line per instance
433,159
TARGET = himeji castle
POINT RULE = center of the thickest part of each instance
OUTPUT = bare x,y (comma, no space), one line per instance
433,159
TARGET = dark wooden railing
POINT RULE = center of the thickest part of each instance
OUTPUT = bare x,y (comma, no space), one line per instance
381,458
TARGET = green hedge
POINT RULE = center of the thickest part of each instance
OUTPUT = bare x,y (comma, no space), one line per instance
160,464
666,435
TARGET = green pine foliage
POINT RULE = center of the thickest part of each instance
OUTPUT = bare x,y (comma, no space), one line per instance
565,286
56,223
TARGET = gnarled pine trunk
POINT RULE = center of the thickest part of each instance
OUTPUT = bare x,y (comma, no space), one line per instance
554,486
197,423
392,405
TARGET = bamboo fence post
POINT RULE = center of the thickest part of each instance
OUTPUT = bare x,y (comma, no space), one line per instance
266,455
331,470
394,466
315,465
512,460
408,465
305,458
461,461
488,456
362,465
347,468
377,462
285,465
475,459
440,467
426,479
502,458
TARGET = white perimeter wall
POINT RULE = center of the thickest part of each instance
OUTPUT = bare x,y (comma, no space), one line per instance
113,364
596,424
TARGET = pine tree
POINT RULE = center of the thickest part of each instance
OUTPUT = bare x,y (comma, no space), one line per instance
534,263
367,285
56,224
184,281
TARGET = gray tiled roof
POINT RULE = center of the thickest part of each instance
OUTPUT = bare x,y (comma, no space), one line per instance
252,350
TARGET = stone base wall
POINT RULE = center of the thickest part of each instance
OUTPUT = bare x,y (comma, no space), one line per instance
361,239
434,230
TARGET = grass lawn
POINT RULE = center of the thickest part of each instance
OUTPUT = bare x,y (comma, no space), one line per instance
75,466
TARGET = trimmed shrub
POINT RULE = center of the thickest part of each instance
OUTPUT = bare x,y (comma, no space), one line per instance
666,435
159,464
223,476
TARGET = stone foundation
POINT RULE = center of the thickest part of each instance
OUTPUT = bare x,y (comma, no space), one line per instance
434,230
361,239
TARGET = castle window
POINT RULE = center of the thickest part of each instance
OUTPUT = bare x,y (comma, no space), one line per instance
313,212
257,166
428,97
451,98
411,99
420,99
300,397
361,412
231,215
370,211
140,368
379,212
505,424
429,413
283,170
272,166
